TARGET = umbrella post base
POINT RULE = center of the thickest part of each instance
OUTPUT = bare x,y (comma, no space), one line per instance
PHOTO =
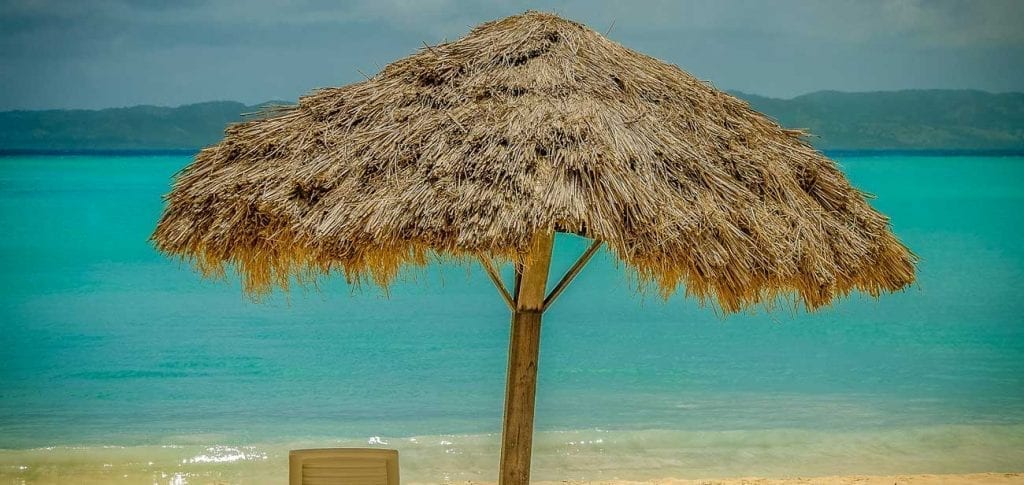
520,395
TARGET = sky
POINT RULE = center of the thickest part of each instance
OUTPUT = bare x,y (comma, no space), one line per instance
109,53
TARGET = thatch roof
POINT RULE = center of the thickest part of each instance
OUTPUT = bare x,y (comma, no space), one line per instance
532,123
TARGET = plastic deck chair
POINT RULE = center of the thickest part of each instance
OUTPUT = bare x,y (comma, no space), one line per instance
343,466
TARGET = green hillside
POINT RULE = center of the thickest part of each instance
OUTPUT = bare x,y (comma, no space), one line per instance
919,119
138,127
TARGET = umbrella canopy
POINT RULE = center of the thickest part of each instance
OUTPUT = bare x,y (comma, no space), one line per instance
527,126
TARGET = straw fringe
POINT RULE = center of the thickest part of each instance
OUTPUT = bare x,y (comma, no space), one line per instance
532,123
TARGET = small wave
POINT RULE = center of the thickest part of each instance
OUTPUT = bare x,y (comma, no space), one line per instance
227,454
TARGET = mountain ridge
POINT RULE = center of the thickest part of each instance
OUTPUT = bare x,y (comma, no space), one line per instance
906,119
933,119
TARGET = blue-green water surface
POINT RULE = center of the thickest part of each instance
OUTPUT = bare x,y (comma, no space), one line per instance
103,342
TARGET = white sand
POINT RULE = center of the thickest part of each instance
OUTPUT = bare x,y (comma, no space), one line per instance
965,479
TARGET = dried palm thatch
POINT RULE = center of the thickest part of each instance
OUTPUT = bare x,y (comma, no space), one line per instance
528,124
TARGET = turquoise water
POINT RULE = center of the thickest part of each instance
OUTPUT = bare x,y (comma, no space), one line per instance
114,357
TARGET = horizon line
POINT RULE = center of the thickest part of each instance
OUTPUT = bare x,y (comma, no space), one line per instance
729,91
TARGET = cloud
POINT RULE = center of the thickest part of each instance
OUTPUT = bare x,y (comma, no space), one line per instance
135,51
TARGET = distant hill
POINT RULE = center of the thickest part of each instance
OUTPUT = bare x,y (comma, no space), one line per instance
138,127
918,119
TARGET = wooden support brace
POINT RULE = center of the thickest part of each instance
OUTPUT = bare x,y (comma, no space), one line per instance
571,274
496,279
518,282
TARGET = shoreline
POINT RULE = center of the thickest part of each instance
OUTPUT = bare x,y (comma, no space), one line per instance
991,478
115,478
912,455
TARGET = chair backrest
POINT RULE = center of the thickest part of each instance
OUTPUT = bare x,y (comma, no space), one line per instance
343,466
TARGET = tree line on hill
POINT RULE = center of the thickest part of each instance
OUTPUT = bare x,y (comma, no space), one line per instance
901,120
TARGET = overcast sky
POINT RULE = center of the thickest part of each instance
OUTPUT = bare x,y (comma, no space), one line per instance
95,54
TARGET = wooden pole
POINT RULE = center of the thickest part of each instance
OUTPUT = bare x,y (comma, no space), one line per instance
523,350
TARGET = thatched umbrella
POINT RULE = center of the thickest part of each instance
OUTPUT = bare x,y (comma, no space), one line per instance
486,146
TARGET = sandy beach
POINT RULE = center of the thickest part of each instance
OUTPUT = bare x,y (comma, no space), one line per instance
921,479
913,479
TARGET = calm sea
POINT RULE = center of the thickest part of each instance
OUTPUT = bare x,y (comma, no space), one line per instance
118,363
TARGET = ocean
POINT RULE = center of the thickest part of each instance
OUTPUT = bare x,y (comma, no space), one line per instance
119,364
